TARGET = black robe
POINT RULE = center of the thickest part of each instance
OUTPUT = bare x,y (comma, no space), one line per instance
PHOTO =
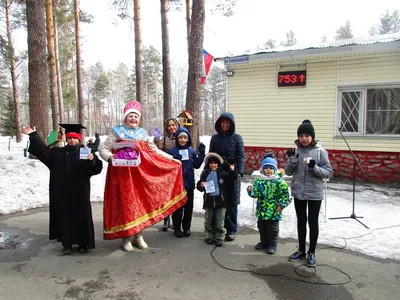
70,209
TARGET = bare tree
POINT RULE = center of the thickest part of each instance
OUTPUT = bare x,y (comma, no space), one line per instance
81,104
167,90
38,99
58,69
10,54
195,66
138,50
52,64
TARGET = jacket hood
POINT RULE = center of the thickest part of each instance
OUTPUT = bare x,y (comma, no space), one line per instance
178,125
189,142
212,154
229,116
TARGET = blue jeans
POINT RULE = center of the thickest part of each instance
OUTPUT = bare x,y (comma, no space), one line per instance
231,219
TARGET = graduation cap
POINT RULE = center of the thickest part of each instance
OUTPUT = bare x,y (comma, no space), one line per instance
73,130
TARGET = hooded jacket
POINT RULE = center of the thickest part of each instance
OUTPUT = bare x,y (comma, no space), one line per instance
229,145
307,184
194,160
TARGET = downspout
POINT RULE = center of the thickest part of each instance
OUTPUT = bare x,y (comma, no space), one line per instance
337,114
226,89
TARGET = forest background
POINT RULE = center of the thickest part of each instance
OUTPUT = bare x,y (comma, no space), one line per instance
45,80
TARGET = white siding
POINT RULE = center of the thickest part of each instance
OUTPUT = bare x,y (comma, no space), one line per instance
269,116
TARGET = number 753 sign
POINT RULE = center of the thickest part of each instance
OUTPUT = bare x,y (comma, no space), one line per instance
292,78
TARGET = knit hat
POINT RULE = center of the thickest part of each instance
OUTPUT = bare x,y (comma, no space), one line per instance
269,161
133,107
182,133
306,128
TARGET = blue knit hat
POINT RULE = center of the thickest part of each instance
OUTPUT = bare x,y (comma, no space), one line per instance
269,161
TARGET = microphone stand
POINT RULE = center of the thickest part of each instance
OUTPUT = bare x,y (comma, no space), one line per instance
355,161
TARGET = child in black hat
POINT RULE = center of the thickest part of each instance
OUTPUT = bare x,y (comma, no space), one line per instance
309,164
70,209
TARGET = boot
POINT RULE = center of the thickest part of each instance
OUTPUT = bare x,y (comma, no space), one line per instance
127,245
140,243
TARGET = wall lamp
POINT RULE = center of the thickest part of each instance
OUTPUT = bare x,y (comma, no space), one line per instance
229,73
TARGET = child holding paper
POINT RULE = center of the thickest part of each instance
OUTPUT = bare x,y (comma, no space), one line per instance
214,180
182,218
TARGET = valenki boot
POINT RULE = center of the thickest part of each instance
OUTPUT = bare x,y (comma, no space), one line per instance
127,245
139,241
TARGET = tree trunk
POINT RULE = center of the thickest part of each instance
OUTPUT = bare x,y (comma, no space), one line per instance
195,67
58,69
52,63
13,73
188,21
167,90
81,105
38,99
138,51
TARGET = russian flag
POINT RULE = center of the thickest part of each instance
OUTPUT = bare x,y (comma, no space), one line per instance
207,61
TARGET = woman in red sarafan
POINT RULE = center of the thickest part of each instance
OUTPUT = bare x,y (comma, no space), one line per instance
135,197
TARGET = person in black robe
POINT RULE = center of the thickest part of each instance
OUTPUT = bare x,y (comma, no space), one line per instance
71,220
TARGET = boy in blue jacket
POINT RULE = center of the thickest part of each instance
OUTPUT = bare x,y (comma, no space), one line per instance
272,196
182,218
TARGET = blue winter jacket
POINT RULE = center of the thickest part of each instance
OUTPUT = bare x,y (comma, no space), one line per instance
229,145
188,166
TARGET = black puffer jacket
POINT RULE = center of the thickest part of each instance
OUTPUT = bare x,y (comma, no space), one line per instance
229,145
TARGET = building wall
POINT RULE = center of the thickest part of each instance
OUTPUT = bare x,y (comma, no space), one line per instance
268,116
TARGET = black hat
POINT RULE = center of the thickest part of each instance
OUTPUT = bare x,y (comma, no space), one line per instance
73,130
306,128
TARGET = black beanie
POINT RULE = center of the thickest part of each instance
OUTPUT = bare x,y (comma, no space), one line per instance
306,128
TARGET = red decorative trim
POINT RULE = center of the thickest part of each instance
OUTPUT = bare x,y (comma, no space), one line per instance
378,166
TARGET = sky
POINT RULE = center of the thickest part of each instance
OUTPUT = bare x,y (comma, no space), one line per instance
24,184
254,22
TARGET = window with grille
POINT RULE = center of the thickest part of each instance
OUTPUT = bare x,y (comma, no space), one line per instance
369,111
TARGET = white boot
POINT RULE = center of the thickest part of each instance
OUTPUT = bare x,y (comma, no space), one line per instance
139,241
127,245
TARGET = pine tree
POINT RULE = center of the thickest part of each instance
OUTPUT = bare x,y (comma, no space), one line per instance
7,118
344,32
390,22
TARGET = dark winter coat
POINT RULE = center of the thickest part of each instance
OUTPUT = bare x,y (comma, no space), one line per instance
70,209
229,145
188,166
225,179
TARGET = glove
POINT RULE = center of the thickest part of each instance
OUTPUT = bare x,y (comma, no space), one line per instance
178,157
291,152
225,166
202,148
311,164
156,132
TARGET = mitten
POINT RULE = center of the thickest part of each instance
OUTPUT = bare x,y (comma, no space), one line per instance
156,132
225,166
291,152
311,164
202,148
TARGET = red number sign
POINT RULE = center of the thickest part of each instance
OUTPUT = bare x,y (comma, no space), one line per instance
292,78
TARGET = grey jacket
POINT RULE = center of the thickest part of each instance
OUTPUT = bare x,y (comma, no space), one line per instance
307,184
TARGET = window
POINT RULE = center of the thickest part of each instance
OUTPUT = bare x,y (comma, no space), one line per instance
370,110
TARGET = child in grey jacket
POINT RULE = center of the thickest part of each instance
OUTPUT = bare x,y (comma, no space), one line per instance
309,164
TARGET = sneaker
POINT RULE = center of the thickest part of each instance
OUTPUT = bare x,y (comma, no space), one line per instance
139,241
66,250
218,243
261,246
186,233
209,241
271,249
82,249
178,234
296,256
311,261
230,238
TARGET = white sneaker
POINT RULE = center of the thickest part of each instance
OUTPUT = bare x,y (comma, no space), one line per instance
127,245
139,241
